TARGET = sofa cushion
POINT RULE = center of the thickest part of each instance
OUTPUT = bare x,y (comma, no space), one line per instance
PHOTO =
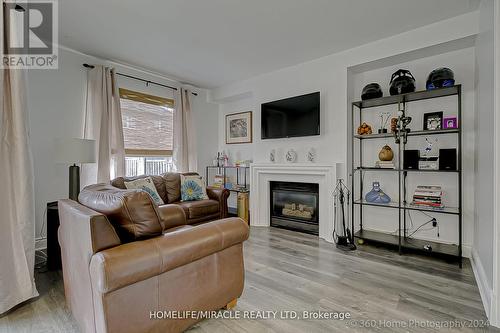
193,188
158,181
132,212
145,184
172,182
195,209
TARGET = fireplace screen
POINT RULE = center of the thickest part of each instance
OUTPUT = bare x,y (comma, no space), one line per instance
295,206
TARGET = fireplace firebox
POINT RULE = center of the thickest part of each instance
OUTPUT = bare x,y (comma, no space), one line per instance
295,206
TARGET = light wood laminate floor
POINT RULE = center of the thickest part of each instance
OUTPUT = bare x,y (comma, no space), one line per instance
286,270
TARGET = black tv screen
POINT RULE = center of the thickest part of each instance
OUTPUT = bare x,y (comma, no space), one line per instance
291,117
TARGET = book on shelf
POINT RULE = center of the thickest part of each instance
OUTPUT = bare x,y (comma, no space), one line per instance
429,199
385,165
428,195
429,188
429,204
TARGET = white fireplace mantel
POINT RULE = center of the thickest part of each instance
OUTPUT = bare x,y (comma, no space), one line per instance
323,175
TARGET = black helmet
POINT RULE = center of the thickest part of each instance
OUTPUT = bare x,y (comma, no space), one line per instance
439,78
402,82
370,91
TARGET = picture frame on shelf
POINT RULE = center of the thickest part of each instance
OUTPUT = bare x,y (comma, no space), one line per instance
239,127
450,123
433,121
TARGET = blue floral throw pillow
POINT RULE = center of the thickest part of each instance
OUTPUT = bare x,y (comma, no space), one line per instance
147,185
192,188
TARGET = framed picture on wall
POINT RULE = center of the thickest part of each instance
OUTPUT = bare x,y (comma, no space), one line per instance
239,127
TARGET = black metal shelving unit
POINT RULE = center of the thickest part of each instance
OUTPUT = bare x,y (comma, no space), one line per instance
402,241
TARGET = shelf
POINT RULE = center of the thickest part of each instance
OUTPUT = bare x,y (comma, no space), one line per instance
228,167
238,191
409,97
434,132
414,133
391,204
408,243
444,210
404,170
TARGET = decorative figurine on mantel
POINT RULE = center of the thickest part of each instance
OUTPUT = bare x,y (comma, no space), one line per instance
272,156
311,155
291,156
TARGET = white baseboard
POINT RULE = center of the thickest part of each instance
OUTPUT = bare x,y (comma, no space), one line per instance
467,251
482,283
40,243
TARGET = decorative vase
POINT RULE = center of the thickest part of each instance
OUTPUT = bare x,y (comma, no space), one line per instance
386,154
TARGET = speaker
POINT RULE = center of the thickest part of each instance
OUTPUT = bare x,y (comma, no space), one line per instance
410,159
448,159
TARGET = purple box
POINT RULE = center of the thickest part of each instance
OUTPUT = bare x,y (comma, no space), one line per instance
450,122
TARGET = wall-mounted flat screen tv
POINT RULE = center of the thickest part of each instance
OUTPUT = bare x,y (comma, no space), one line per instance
291,117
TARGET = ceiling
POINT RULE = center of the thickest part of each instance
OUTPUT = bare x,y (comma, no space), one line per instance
210,43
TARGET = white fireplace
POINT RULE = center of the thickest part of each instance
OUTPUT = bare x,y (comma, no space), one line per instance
262,174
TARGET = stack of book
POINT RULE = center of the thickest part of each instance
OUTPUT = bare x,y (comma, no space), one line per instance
428,196
218,181
385,165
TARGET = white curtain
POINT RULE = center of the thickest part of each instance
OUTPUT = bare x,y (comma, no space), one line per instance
103,123
17,207
185,154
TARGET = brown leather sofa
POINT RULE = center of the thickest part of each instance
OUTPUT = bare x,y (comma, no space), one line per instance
168,186
127,262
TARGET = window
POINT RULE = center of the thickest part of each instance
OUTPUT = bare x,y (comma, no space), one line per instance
147,132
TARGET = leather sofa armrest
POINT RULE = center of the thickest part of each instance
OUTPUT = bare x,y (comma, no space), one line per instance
172,216
82,224
221,195
137,261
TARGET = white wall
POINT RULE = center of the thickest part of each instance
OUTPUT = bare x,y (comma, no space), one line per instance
56,100
329,75
485,152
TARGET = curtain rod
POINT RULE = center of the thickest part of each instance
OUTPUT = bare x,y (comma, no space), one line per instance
140,79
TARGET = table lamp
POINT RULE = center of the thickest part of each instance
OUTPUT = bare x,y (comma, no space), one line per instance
73,151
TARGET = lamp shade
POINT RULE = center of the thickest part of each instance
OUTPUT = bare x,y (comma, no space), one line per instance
74,151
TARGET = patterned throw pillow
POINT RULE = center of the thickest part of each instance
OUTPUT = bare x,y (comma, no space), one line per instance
192,188
147,185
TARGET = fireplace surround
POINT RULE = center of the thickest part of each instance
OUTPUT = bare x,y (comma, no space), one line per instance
261,174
